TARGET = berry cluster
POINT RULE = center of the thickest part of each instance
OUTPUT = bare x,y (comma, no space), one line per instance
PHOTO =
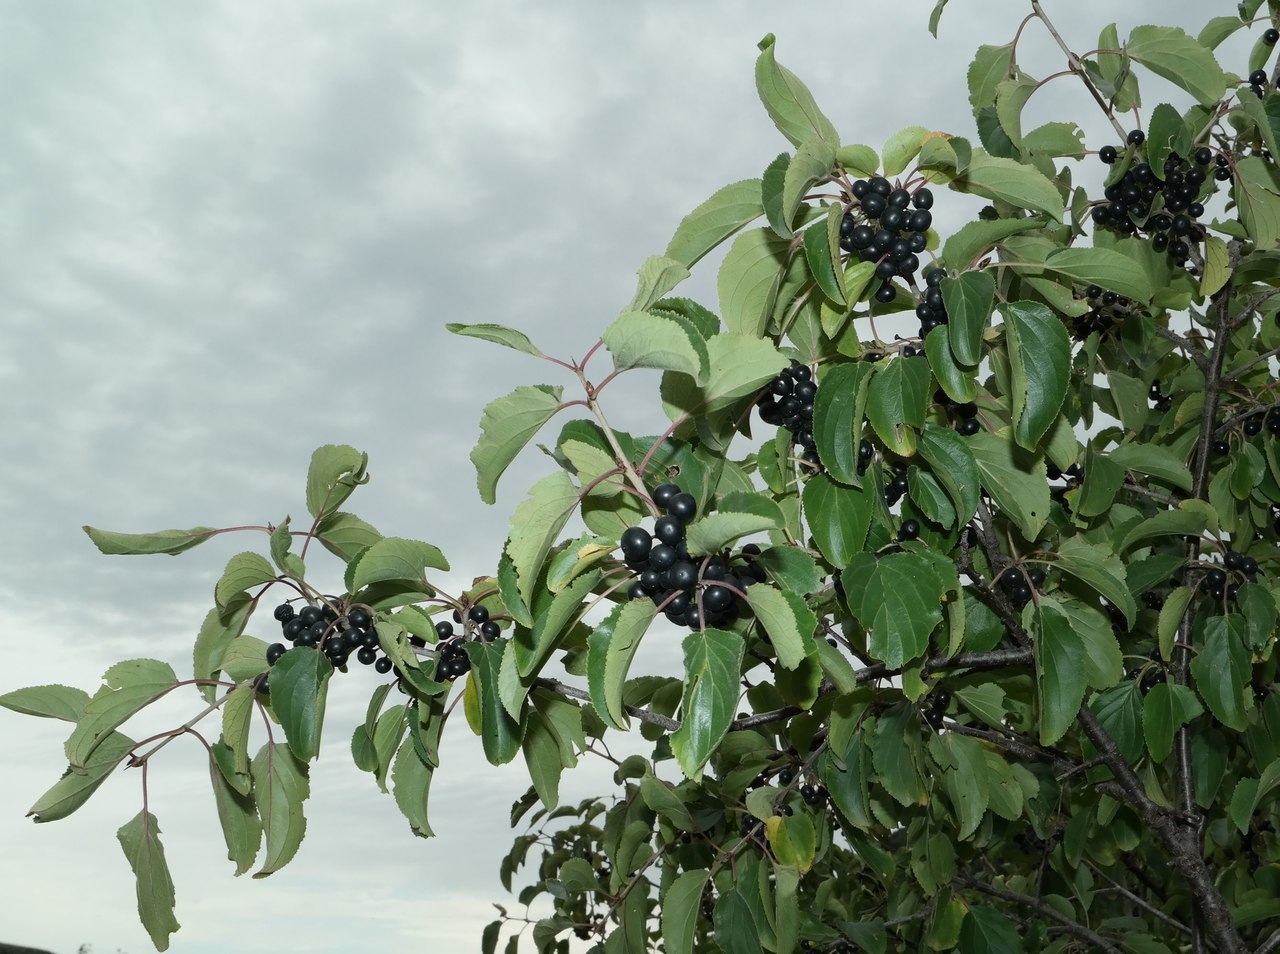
692,592
788,402
813,795
1107,309
898,486
1167,208
937,707
887,226
1018,585
452,660
965,416
337,636
1258,80
1225,582
1161,402
932,311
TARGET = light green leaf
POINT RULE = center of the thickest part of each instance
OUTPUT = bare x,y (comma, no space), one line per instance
281,786
662,798
811,165
901,148
238,818
1154,460
1105,267
712,664
727,211
610,649
394,558
498,334
1040,359
535,525
747,279
1060,670
965,781
961,250
1166,709
244,570
896,403
969,298
507,424
344,534
657,277
1259,205
530,648
715,531
637,339
792,840
838,517
336,470
898,599
1170,52
1014,478
788,101
1184,521
787,620
130,686
1100,568
1023,186
171,542
858,160
140,840
48,702
79,782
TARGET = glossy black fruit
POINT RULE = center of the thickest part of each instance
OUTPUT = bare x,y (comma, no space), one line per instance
635,543
909,530
360,617
490,630
310,615
663,493
969,426
383,665
274,652
1107,154
683,507
284,612
668,529
1136,137
1271,36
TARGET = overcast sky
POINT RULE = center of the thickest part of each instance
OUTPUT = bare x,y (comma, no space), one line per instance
231,232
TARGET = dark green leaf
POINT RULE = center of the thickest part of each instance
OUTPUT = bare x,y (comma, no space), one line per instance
987,931
610,649
896,402
130,686
1060,670
969,298
1101,569
735,928
837,419
955,381
712,664
299,685
1167,708
952,463
1040,359
1015,478
838,517
1221,670
897,598
680,906
238,818
78,783
281,786
499,733
787,620
1120,712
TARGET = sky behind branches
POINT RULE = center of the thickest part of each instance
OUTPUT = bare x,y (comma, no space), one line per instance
231,232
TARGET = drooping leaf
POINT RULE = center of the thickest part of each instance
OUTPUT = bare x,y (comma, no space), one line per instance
299,686
48,702
747,279
238,818
171,542
1166,709
837,419
129,686
79,782
680,906
535,525
1221,671
952,463
1060,670
140,840
280,785
610,649
838,517
1040,359
336,470
712,664
1100,569
968,298
1015,479
896,402
507,424
788,101
792,840
1119,710
499,733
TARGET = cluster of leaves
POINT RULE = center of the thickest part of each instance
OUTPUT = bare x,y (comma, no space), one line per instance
1007,689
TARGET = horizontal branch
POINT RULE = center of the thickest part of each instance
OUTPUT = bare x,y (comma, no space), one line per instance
1074,928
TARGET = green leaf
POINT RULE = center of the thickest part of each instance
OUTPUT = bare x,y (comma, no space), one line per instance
394,558
897,598
1155,461
787,620
140,840
345,535
541,747
822,255
901,148
238,818
987,931
79,782
1179,58
1185,521
1100,568
896,402
680,906
662,798
791,568
171,542
969,298
846,779
897,768
965,781
48,702
1120,712
961,250
747,279
237,712
715,531
792,840
935,16
957,382
130,686
1257,605
1009,180
1012,94
952,463
1166,708
739,367
499,733
1175,604
727,211
1014,478
535,525
1040,358
858,160
610,649
838,517
299,685
498,334
507,424
811,165
1259,205
1250,793
657,276
712,667
637,339
336,470
243,571
837,419
288,563
788,101
1060,670
1103,661
531,647
281,786
735,927
1112,270
1221,671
